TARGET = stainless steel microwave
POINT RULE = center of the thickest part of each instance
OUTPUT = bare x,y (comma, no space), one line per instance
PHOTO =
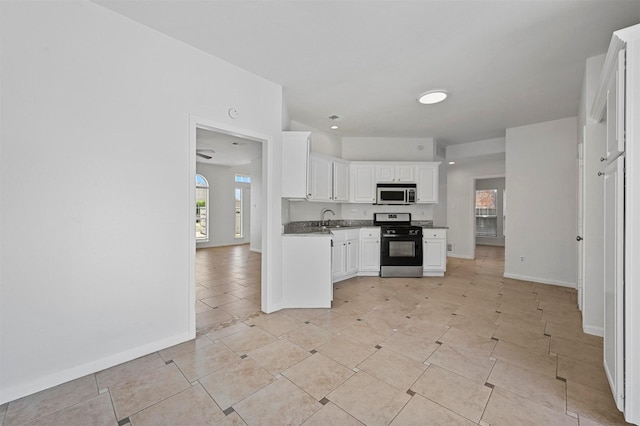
396,193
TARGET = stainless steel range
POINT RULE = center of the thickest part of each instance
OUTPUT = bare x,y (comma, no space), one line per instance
401,245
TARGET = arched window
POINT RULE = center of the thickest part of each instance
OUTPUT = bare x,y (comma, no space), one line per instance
202,209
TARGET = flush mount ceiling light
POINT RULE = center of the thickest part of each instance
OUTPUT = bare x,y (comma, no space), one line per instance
334,127
452,162
432,97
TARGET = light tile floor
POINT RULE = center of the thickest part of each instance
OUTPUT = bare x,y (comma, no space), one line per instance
469,348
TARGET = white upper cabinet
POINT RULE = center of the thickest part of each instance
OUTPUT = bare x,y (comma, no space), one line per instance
328,178
340,180
365,176
363,183
295,148
427,183
615,109
320,178
394,173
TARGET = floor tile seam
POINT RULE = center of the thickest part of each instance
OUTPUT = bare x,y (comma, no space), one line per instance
223,410
597,364
129,377
457,413
155,403
68,406
534,401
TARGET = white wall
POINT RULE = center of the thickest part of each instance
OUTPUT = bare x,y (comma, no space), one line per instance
321,142
460,200
541,171
222,187
95,123
476,149
255,216
387,149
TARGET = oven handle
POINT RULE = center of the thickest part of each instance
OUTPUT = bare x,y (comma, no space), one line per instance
409,237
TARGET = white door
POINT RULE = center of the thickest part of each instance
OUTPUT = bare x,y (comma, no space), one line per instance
613,278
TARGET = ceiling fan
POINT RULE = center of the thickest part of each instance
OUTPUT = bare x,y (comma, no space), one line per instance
204,153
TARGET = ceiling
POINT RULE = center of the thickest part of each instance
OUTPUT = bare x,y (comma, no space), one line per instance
504,63
227,150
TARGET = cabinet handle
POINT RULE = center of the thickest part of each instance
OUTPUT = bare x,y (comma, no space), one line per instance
600,174
602,159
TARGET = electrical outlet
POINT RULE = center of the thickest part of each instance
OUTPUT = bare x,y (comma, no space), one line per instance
522,259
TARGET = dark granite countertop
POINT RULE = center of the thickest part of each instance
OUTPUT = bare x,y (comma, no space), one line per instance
314,226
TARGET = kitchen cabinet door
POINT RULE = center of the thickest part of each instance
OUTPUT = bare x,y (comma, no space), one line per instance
393,172
385,173
370,256
338,260
427,183
404,173
434,252
295,149
320,181
363,184
340,180
352,259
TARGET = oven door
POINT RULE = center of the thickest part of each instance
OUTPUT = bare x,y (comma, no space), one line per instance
401,250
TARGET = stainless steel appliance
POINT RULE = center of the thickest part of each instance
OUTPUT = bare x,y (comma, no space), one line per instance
396,193
400,245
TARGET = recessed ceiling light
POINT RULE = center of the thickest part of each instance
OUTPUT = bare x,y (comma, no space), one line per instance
334,127
452,162
432,97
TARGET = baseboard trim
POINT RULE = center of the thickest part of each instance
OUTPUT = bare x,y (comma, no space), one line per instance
460,256
540,280
255,250
60,377
595,331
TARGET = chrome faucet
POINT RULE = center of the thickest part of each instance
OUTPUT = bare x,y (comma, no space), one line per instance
322,219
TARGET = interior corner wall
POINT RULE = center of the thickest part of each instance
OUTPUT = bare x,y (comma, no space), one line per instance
541,171
460,196
96,178
222,187
439,215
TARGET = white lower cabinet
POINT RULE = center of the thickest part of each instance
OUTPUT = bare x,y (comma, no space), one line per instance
434,251
369,252
344,254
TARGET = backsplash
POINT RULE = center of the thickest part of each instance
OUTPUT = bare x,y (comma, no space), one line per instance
310,211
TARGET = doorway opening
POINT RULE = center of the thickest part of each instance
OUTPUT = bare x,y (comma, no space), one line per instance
227,269
488,216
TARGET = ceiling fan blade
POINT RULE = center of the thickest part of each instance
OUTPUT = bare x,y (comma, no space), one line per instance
206,157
